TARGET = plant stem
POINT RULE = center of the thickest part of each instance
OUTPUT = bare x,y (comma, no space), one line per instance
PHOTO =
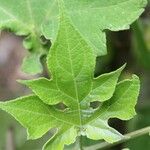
81,142
128,137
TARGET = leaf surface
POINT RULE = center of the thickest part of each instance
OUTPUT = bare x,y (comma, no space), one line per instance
32,18
71,63
121,106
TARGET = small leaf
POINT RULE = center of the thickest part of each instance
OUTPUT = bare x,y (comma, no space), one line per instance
31,64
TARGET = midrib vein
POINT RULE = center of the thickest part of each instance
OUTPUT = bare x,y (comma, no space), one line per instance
75,84
65,94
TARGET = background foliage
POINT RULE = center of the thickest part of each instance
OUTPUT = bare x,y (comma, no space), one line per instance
126,46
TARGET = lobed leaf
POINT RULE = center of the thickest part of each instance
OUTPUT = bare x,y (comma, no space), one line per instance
121,106
71,62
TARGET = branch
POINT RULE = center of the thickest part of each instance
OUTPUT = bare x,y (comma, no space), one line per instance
129,136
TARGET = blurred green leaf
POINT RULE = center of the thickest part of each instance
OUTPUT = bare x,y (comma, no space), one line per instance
35,18
6,123
141,49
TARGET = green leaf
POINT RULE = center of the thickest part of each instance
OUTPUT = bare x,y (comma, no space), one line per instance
126,93
8,123
66,136
31,64
99,129
121,106
35,18
140,47
71,62
101,89
93,17
30,111
25,18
